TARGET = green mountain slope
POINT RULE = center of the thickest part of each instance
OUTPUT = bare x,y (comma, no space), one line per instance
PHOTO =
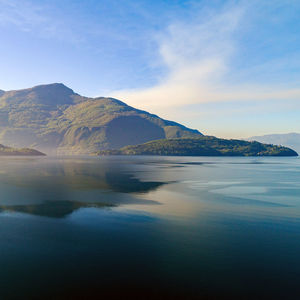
54,119
202,146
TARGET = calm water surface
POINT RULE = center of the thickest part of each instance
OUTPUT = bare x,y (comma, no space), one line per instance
150,228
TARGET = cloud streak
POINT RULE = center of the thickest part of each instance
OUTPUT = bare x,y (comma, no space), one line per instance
198,56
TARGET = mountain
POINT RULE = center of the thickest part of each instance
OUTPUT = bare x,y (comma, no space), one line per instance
9,151
1,93
202,146
291,140
54,119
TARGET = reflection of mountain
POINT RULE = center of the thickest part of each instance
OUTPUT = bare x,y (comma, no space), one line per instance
54,209
79,175
56,188
126,183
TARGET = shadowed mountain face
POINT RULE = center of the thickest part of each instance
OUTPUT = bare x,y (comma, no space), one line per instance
291,140
53,119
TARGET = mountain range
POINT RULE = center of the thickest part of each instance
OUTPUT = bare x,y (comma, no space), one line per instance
291,140
202,146
54,119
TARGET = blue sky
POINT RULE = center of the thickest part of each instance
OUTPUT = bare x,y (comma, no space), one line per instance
227,68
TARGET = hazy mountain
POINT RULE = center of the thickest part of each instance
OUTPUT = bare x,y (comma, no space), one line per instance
291,140
9,151
54,119
202,146
1,93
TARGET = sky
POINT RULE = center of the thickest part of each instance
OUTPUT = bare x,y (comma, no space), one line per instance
227,68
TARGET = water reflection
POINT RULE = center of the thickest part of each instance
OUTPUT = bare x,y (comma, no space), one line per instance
145,227
53,209
56,188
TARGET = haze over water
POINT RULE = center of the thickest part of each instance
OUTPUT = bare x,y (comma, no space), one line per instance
150,227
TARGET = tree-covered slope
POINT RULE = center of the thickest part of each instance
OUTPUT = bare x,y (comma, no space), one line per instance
9,151
54,119
202,146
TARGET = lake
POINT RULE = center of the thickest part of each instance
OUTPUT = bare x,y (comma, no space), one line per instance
150,228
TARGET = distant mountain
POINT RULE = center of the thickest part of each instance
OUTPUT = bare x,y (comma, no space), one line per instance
9,151
54,119
1,93
202,146
291,140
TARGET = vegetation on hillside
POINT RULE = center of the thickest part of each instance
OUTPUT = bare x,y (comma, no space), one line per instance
54,119
202,146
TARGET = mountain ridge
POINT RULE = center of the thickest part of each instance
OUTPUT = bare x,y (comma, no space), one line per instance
291,139
54,119
9,151
202,146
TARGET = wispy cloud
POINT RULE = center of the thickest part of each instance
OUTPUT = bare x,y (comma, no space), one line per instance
37,19
199,55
